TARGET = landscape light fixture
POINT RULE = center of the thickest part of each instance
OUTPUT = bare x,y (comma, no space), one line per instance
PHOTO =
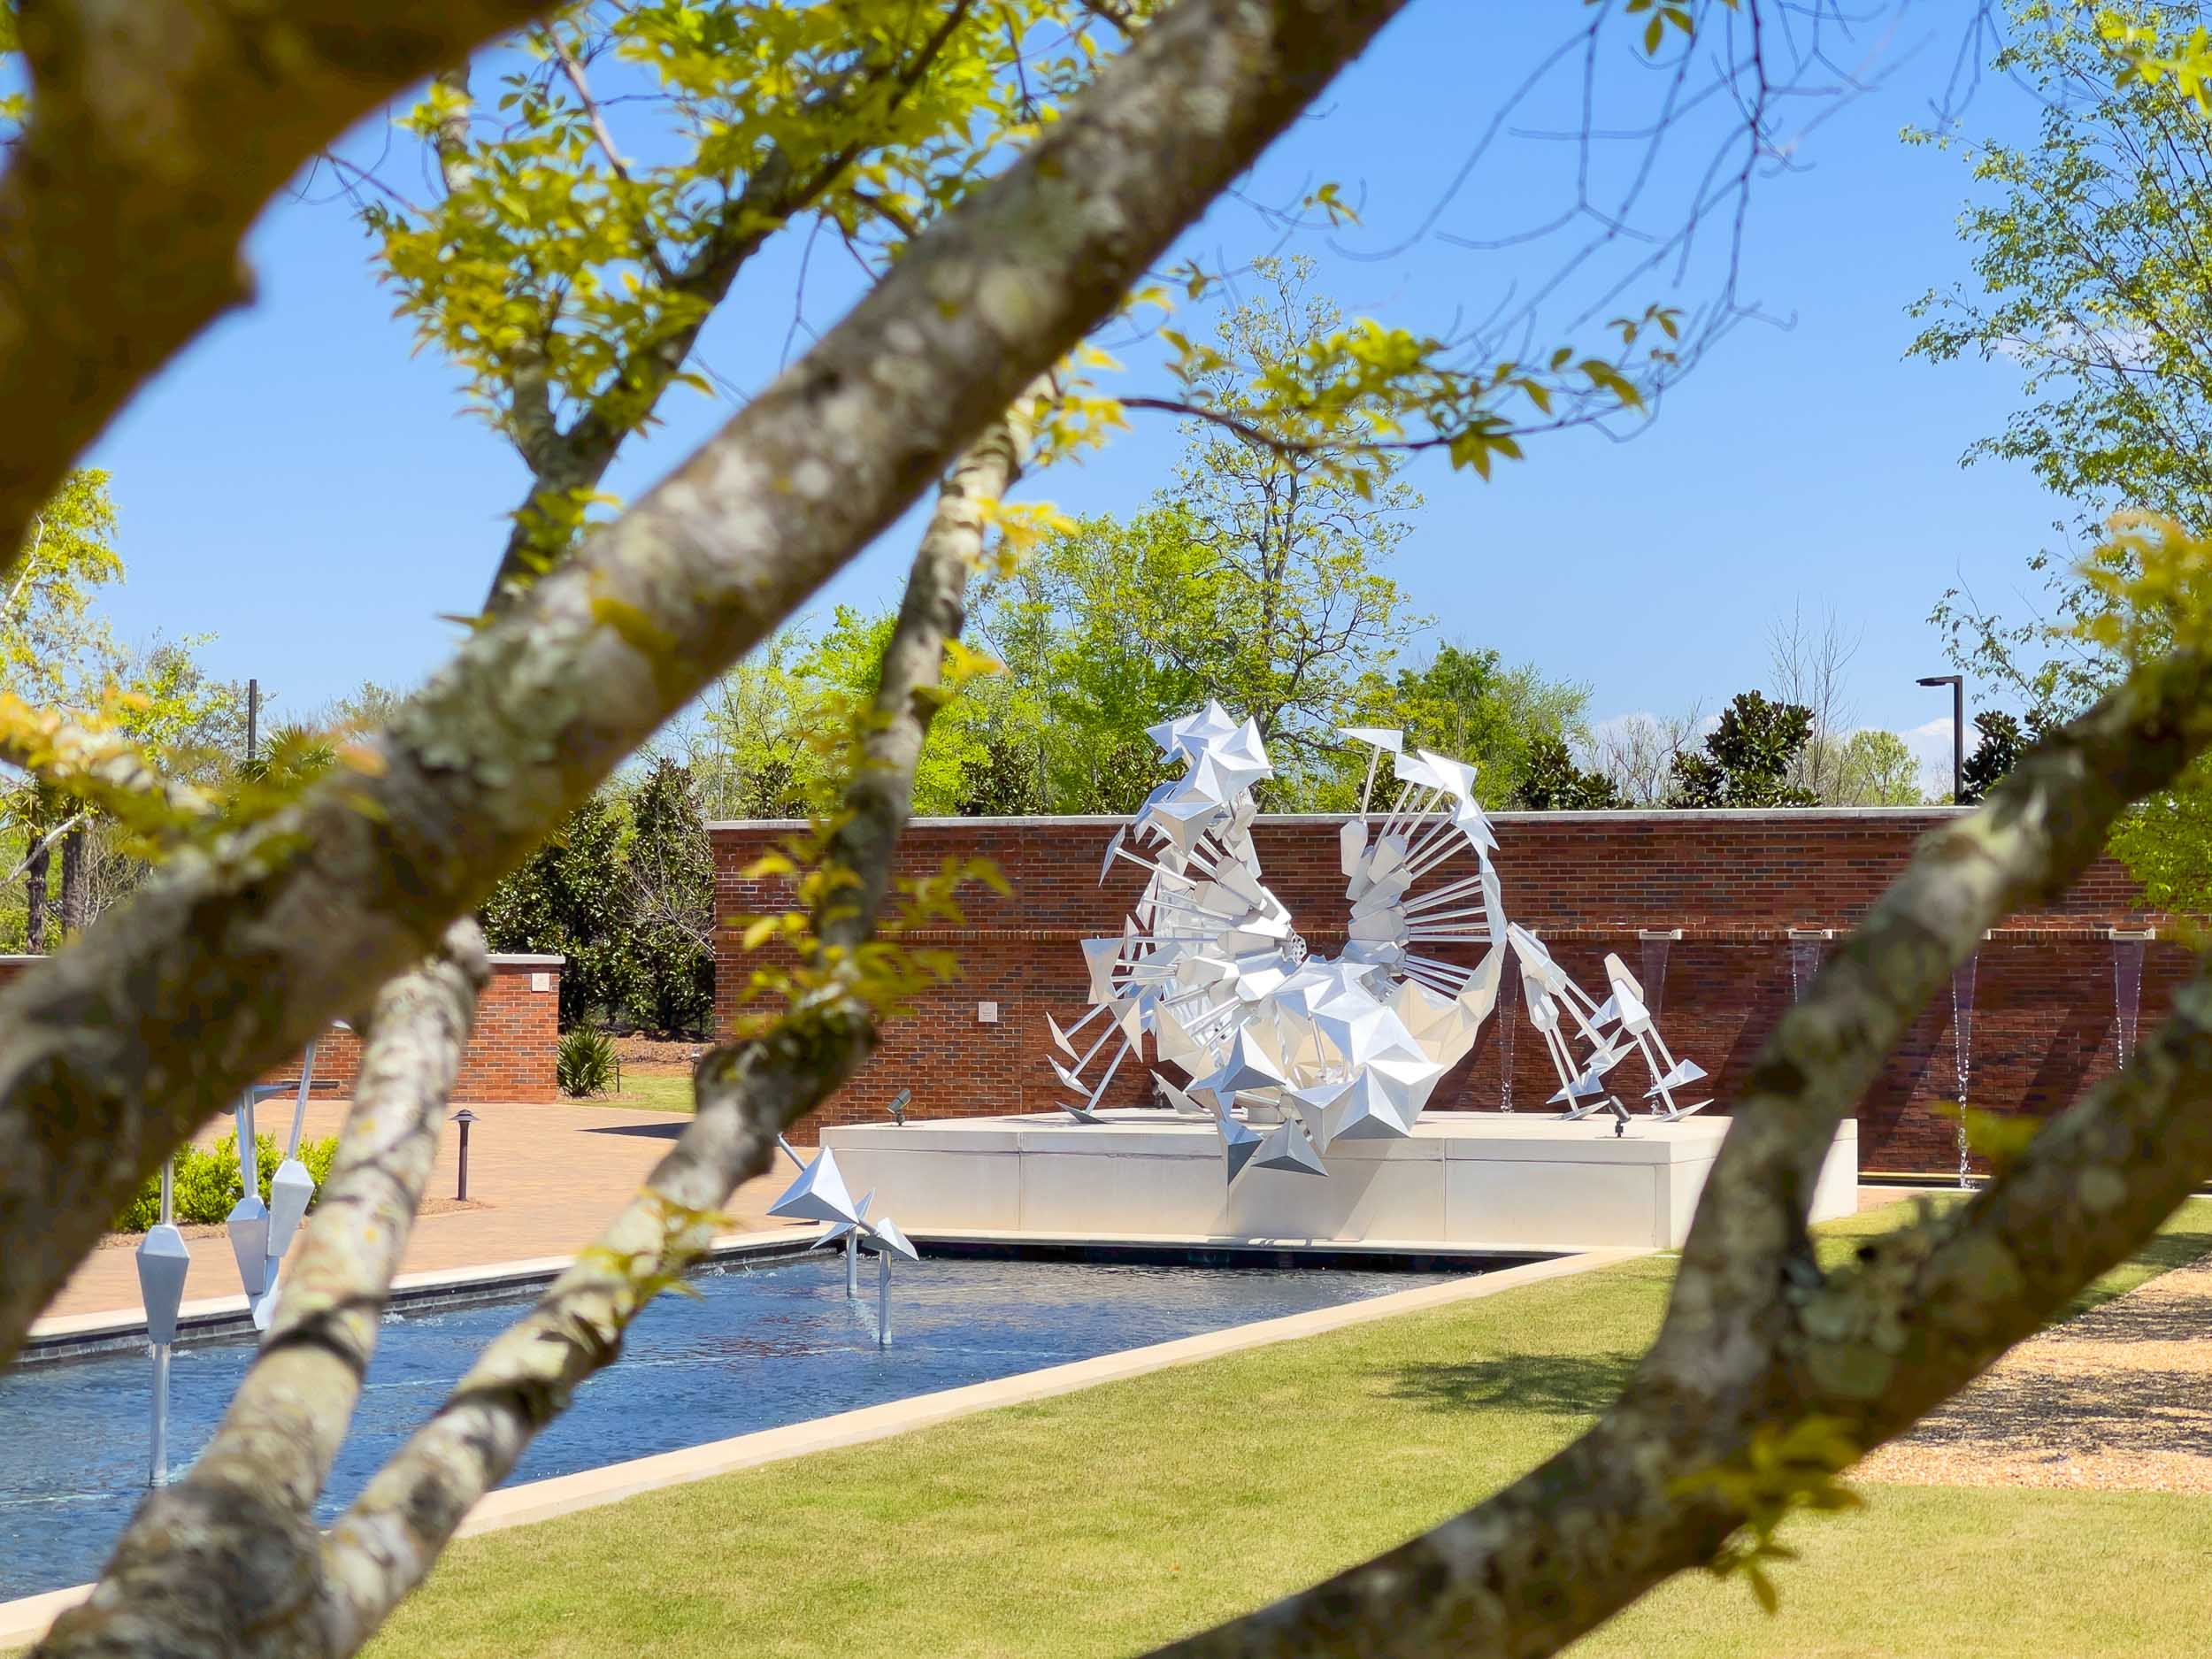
1957,682
463,1118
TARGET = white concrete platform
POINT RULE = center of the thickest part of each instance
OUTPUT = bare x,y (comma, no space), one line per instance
1472,1180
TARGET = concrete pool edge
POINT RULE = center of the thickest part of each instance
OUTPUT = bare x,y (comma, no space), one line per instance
23,1621
228,1318
221,1318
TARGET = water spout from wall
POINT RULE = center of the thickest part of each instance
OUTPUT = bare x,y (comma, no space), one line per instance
1654,942
1963,1045
1808,946
1509,994
2127,984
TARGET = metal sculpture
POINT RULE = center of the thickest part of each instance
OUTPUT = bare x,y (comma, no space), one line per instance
819,1193
1313,1050
260,1233
259,1236
164,1259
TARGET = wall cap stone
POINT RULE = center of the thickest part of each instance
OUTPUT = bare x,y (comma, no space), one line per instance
1638,814
523,959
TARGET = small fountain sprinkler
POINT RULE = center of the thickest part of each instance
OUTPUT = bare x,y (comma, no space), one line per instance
1962,1044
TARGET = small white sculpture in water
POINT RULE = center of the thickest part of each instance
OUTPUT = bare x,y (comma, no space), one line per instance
1314,1050
819,1193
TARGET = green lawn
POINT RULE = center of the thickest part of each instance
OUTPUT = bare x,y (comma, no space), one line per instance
650,1091
1106,1521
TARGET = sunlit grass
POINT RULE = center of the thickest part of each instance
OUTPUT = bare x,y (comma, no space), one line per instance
650,1091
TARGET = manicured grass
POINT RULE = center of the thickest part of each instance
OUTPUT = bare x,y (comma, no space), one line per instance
1103,1522
652,1091
1968,1574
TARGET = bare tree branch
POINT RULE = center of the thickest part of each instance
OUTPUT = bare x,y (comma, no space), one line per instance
1638,752
1757,1335
1809,662
252,949
594,112
250,1496
156,135
42,846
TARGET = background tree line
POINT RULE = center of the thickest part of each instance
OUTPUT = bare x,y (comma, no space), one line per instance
66,859
625,890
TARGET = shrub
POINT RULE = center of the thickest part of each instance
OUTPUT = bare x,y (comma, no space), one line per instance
207,1185
586,1065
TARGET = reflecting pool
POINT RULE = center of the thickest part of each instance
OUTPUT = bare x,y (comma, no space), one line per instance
758,1348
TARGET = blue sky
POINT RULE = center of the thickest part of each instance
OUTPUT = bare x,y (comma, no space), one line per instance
301,486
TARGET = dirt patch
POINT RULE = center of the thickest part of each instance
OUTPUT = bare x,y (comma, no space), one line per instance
2118,1399
214,1229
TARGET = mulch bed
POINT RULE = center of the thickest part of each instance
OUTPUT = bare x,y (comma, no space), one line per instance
653,1055
2118,1399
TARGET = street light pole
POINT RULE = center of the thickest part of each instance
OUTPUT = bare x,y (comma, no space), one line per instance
1957,682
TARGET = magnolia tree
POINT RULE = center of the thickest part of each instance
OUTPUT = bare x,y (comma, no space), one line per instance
150,139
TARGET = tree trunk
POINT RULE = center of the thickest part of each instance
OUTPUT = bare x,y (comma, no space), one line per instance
76,883
34,894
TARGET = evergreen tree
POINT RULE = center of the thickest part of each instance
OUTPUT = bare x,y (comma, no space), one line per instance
570,898
1551,781
670,870
1998,751
1746,758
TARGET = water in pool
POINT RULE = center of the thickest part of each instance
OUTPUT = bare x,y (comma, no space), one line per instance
758,1348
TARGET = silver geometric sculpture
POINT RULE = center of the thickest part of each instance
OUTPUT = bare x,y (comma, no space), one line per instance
270,1228
1287,1052
259,1235
819,1193
249,1227
164,1259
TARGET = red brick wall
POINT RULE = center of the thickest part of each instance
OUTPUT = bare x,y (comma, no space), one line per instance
518,1036
1735,883
510,1055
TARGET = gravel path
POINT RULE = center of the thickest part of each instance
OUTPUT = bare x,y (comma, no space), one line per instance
2119,1398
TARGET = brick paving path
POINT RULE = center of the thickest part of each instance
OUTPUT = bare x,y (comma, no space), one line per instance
541,1180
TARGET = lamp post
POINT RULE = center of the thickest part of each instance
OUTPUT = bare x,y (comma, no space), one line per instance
463,1118
1957,682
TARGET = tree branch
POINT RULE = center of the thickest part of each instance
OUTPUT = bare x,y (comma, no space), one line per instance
575,72
42,846
1755,1335
233,1544
112,1052
776,189
748,1092
156,135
